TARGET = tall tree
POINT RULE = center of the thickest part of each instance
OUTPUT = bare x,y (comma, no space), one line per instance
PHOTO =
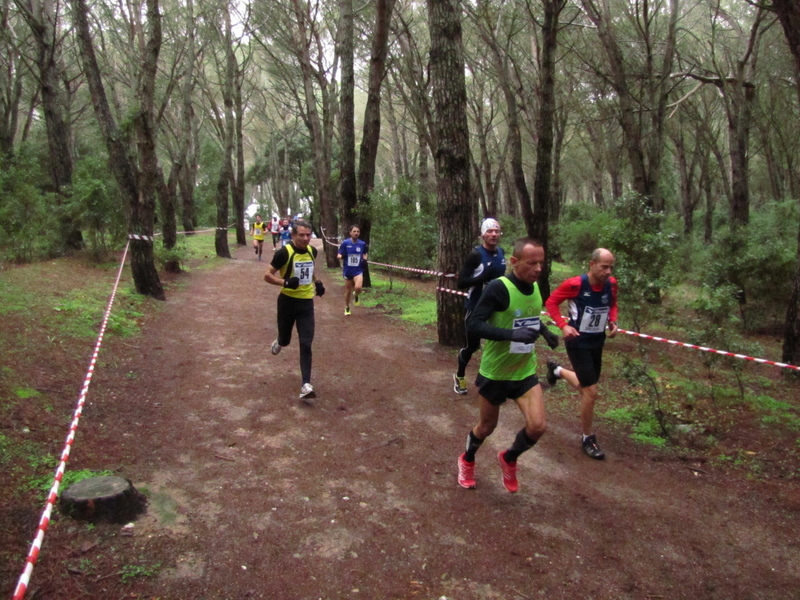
187,172
788,12
42,17
542,189
347,133
136,184
227,130
641,81
371,135
451,156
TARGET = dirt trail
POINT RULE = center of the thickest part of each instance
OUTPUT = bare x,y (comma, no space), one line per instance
254,495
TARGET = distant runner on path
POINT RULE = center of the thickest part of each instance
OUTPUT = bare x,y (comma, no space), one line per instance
292,268
592,305
257,229
353,254
507,316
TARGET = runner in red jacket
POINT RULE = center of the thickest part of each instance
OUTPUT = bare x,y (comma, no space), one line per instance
592,305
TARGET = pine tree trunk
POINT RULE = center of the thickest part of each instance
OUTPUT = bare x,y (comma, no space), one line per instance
452,157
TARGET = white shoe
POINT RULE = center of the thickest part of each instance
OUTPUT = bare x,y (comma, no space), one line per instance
307,391
276,347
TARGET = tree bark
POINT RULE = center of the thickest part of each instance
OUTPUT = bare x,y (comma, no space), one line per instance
188,170
347,181
451,157
239,182
539,227
226,170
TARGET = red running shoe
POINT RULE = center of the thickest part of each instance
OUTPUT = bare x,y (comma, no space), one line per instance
466,473
509,473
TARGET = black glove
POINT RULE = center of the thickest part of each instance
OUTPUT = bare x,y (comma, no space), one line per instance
524,335
319,288
292,283
550,337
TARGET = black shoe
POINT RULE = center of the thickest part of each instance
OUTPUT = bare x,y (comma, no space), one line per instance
551,372
592,449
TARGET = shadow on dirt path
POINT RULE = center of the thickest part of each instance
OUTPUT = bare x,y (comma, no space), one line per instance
254,495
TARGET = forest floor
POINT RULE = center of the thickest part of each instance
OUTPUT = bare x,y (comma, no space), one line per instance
253,494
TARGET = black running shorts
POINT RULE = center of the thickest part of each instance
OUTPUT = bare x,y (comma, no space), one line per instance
498,391
587,363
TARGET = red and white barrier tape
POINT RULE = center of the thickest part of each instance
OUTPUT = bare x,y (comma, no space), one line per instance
655,338
413,270
449,291
704,349
325,238
36,546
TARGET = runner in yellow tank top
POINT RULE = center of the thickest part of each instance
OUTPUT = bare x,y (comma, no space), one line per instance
257,230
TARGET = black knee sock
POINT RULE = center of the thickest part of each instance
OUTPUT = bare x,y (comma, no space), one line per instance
473,443
521,443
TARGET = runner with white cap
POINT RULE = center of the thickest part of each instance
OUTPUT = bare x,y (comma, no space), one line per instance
484,263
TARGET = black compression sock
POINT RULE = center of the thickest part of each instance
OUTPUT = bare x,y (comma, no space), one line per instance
473,443
521,443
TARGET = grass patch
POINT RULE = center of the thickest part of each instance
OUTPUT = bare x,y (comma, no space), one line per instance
401,299
45,482
776,412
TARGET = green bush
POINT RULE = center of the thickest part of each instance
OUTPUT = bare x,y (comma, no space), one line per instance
95,203
757,265
29,227
402,235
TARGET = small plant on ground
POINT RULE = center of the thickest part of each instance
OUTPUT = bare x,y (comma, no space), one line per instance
129,572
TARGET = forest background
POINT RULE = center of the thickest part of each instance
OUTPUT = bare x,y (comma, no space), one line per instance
666,131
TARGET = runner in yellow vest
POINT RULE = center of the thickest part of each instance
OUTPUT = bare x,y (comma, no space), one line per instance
292,268
258,229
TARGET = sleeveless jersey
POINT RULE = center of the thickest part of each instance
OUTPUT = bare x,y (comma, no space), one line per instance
506,360
300,265
588,313
258,230
495,264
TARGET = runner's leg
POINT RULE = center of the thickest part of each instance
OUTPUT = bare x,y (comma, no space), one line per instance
305,335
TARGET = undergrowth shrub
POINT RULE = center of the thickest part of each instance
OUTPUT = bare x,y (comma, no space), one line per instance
757,264
401,235
29,227
95,203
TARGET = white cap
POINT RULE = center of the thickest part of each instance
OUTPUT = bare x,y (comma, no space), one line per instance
489,224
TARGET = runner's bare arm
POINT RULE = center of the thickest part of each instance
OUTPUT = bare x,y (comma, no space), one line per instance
273,276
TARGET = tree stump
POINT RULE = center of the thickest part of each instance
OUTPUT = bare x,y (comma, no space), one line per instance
105,498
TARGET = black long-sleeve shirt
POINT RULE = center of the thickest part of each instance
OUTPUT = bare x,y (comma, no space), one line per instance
495,298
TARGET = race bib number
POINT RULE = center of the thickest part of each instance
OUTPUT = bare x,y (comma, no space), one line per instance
594,320
353,260
304,271
519,347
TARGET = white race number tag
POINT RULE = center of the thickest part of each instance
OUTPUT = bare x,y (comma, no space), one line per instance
594,320
353,260
304,271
